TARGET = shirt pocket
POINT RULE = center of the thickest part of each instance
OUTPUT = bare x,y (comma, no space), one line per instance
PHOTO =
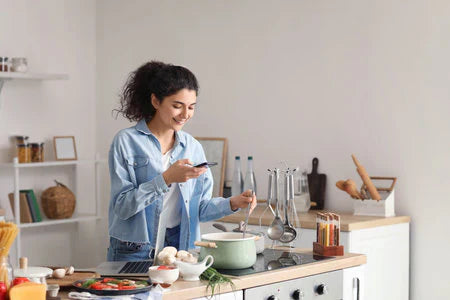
138,168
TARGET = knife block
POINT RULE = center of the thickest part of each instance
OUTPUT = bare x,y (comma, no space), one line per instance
328,250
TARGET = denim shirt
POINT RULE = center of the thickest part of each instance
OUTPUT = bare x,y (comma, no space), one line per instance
138,188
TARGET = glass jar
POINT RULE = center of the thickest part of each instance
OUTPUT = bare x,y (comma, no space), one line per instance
41,148
19,64
4,64
301,194
21,139
36,152
6,270
23,153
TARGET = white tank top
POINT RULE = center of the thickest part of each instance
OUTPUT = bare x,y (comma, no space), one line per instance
171,201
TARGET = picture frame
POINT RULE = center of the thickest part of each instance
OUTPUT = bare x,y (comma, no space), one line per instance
216,151
65,148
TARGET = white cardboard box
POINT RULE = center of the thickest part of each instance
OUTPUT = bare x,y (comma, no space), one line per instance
383,208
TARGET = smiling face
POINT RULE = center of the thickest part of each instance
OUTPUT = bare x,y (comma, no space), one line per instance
175,110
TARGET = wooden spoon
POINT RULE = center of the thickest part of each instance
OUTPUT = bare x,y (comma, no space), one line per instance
352,190
349,186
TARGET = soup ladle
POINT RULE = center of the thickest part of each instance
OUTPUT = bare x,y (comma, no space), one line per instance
276,229
289,233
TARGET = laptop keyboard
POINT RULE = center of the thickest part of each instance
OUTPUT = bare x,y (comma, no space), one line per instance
136,267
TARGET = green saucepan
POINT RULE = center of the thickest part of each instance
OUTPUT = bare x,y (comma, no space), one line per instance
229,249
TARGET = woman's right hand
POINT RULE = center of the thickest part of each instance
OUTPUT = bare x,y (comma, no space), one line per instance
181,171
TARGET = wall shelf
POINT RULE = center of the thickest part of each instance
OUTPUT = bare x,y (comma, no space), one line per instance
74,219
5,76
49,163
17,168
32,76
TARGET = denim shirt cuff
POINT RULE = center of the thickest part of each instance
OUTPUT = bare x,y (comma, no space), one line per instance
226,207
159,185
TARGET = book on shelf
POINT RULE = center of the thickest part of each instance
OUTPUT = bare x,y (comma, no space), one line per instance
25,212
33,204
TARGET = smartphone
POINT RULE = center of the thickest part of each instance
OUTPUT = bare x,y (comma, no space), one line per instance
206,164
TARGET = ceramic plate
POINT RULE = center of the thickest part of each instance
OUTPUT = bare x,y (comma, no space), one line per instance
112,292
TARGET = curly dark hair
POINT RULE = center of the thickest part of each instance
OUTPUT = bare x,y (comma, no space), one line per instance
156,78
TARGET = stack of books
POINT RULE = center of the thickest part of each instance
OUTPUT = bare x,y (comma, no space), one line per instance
29,208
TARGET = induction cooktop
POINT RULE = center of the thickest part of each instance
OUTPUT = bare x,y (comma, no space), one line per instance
272,259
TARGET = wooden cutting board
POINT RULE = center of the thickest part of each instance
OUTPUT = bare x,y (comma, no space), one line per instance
69,279
317,183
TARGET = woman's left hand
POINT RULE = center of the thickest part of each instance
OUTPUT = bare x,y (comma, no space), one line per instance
242,201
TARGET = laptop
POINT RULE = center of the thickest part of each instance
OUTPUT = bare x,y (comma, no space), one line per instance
124,268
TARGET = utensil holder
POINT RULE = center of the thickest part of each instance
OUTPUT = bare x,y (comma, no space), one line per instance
328,250
382,208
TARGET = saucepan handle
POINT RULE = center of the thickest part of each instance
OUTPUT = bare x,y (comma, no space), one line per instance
205,244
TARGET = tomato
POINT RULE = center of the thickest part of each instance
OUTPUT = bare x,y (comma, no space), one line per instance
127,287
19,280
105,280
164,268
78,284
100,286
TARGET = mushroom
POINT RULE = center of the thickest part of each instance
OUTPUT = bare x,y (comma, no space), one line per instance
182,253
59,273
190,259
167,255
186,256
170,250
70,270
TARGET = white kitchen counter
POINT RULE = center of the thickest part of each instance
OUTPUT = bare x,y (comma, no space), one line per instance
188,290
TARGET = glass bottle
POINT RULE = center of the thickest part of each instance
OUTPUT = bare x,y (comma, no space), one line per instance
6,270
238,183
250,180
301,195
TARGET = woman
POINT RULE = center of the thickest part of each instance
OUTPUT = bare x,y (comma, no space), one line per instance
154,186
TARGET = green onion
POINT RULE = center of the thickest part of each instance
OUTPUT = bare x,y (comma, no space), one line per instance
88,283
142,282
214,279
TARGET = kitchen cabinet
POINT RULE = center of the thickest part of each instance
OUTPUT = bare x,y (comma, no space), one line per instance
18,168
324,279
237,295
385,241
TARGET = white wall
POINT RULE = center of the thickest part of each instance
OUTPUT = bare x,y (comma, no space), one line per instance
296,79
56,37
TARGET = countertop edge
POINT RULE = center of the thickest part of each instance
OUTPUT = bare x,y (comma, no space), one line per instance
198,289
349,222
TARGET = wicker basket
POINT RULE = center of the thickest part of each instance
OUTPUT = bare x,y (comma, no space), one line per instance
58,202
